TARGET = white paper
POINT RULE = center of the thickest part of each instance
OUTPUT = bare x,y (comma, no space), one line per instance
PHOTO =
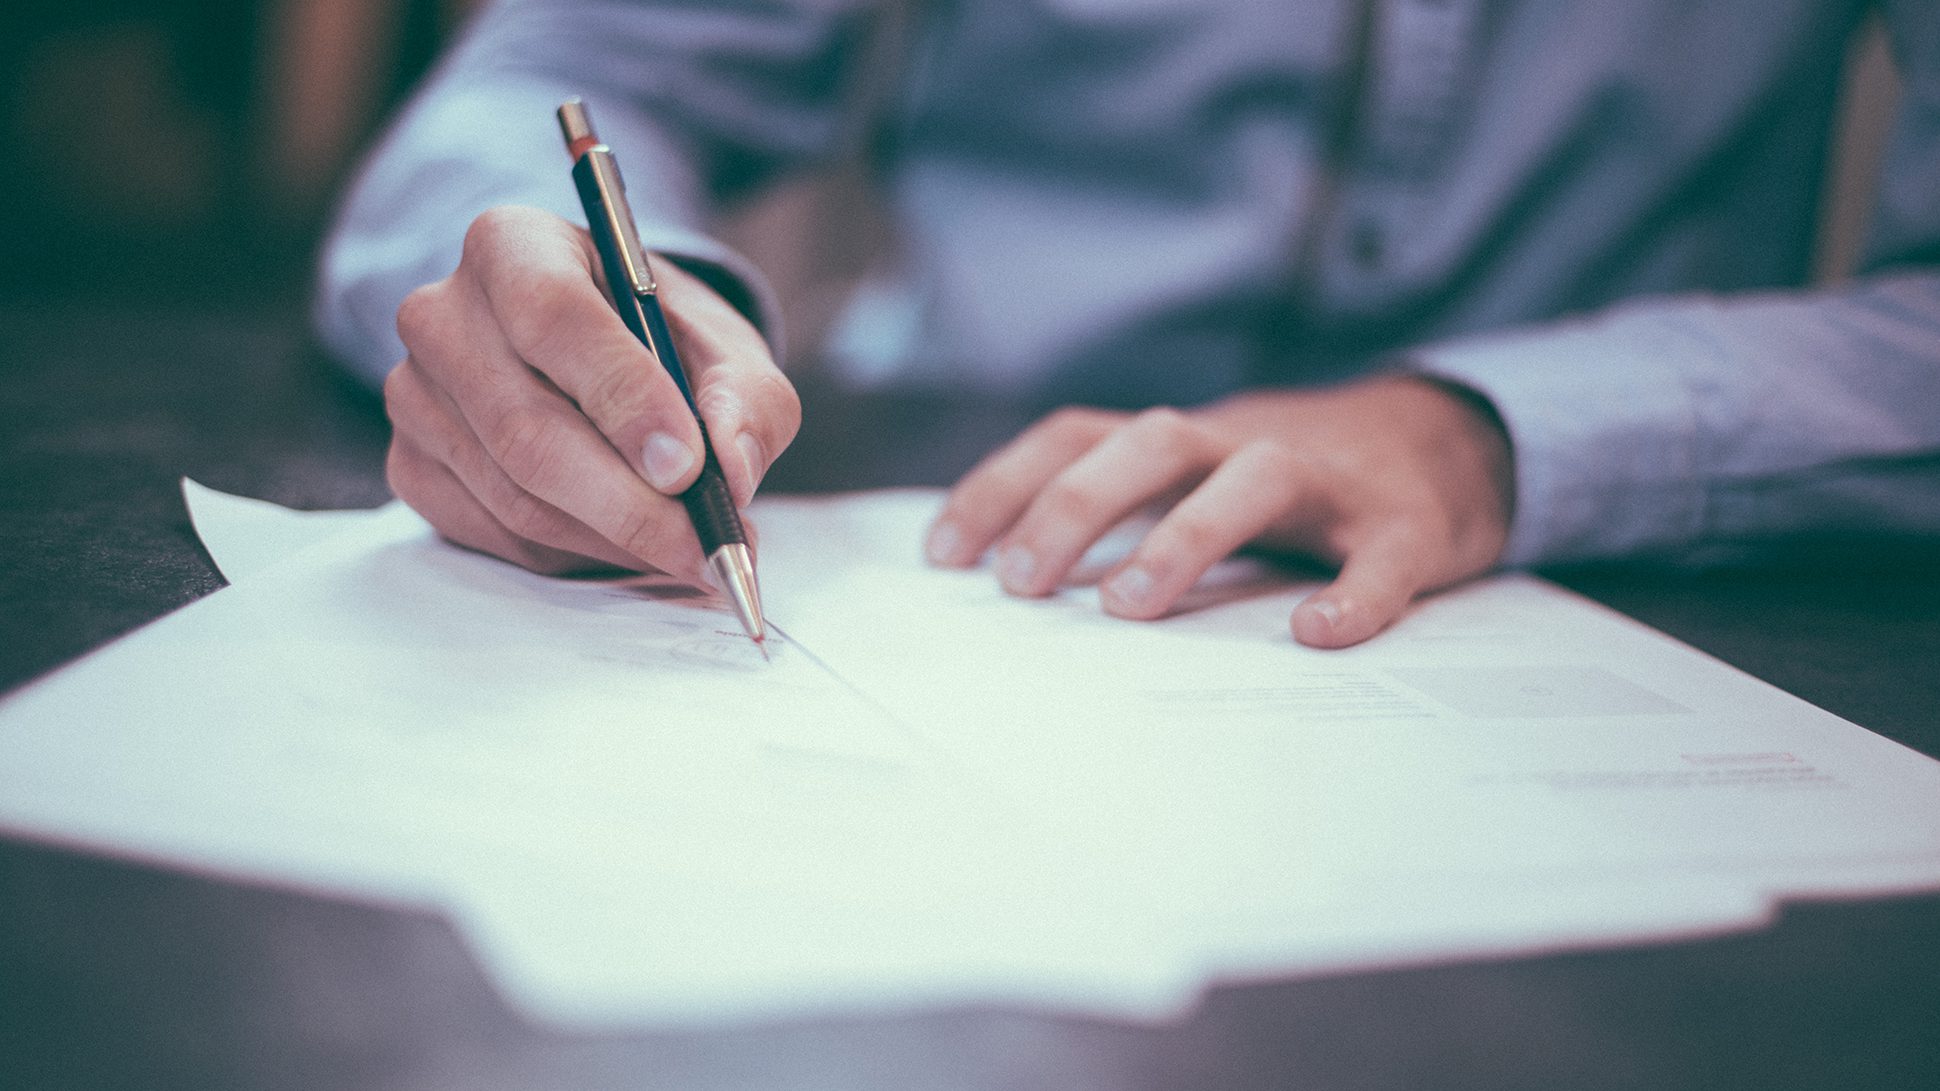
934,793
245,536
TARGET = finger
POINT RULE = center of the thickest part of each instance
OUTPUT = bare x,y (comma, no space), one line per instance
751,409
1245,495
426,420
1152,454
437,494
537,277
997,490
540,439
1377,581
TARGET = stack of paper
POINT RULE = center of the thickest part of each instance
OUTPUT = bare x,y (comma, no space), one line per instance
934,793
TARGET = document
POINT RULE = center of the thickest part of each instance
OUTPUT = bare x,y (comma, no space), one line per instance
932,793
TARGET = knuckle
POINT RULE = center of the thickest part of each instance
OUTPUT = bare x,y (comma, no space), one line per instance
643,533
773,391
1164,430
1272,459
417,315
1189,536
719,400
612,390
488,230
395,380
1062,419
410,399
989,483
1162,419
1069,501
1078,420
401,473
527,517
399,394
525,445
545,312
768,384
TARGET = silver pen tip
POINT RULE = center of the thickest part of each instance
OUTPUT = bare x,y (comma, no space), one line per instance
733,569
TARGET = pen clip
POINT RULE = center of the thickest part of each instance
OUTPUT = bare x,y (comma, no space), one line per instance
619,219
603,174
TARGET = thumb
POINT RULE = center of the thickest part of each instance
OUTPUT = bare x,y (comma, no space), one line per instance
1376,583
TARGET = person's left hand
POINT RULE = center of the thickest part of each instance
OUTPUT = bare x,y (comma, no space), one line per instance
1402,482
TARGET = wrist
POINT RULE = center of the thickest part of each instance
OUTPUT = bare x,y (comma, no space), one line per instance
1472,433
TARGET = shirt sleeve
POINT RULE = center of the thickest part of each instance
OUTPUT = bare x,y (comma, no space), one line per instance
699,101
1709,428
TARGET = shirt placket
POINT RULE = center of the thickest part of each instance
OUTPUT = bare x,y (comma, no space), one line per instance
1417,59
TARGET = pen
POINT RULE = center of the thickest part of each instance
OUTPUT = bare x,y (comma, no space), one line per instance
630,280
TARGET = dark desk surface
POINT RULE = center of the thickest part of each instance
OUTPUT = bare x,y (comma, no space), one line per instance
117,975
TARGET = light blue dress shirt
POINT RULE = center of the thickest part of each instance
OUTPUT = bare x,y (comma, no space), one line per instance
1597,213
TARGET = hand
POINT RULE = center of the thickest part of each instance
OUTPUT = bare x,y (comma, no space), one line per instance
1403,483
530,424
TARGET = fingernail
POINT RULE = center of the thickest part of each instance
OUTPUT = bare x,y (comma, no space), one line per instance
1015,569
1130,587
945,545
666,460
753,460
1327,610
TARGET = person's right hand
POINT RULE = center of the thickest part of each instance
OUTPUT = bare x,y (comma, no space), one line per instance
529,423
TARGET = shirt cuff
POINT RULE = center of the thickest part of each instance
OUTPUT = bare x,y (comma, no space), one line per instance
1604,418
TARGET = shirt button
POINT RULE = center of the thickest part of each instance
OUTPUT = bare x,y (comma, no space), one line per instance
1367,244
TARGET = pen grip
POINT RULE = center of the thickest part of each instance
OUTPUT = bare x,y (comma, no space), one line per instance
711,507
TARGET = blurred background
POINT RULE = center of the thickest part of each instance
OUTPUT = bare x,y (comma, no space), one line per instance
191,149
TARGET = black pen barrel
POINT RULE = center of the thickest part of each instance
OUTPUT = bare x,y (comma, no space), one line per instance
709,503
630,285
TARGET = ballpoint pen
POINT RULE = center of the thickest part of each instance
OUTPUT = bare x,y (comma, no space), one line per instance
630,281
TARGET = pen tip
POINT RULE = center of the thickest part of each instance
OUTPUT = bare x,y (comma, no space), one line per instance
733,570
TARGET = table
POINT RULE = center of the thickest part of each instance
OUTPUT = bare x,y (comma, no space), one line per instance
115,974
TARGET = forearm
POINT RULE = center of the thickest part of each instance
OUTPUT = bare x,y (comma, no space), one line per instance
1696,427
480,133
